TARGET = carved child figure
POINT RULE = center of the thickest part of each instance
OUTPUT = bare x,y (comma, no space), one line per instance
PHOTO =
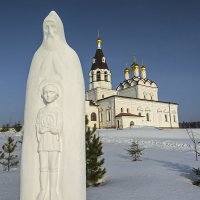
49,126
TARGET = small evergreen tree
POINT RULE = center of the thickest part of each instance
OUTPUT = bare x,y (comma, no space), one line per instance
197,172
17,126
94,162
135,151
8,160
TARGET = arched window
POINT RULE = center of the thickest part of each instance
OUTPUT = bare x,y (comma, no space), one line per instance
147,116
98,76
174,118
140,114
132,123
166,118
102,96
93,116
128,111
108,115
122,110
101,116
105,76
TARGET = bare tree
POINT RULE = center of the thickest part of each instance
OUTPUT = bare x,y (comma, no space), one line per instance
195,141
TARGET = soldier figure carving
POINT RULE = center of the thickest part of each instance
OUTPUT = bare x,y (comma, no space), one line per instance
48,129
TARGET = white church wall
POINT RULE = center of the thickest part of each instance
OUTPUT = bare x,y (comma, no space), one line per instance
128,119
99,93
100,84
149,108
88,111
106,108
104,93
128,92
91,95
174,115
147,92
158,114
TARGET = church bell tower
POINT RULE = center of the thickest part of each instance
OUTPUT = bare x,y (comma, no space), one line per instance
99,75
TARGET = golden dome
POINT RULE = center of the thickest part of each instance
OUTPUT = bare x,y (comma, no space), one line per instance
99,41
143,68
126,70
135,67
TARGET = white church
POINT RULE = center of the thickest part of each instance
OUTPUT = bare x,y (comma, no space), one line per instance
133,103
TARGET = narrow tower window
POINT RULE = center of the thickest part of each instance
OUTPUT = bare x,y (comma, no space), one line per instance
106,76
98,76
174,118
108,115
140,114
166,120
122,110
101,116
147,116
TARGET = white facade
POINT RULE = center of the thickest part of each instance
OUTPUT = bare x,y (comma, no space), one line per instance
92,113
139,88
134,102
140,112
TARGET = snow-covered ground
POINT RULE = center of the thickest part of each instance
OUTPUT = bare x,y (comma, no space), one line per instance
164,173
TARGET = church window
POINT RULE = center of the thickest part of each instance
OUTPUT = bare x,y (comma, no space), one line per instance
128,111
93,117
101,116
103,60
118,123
166,120
98,76
108,115
102,96
122,110
140,114
106,76
132,124
174,118
147,116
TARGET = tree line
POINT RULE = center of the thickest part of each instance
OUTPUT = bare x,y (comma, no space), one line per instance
189,124
6,127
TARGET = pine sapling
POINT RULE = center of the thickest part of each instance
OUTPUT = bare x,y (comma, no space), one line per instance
17,126
8,159
135,151
94,161
197,172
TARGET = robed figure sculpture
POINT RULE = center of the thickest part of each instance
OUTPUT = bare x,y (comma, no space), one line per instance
53,151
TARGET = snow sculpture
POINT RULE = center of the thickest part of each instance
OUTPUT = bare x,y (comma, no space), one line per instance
53,152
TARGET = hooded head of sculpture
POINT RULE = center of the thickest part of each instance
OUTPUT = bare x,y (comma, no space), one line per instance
53,31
